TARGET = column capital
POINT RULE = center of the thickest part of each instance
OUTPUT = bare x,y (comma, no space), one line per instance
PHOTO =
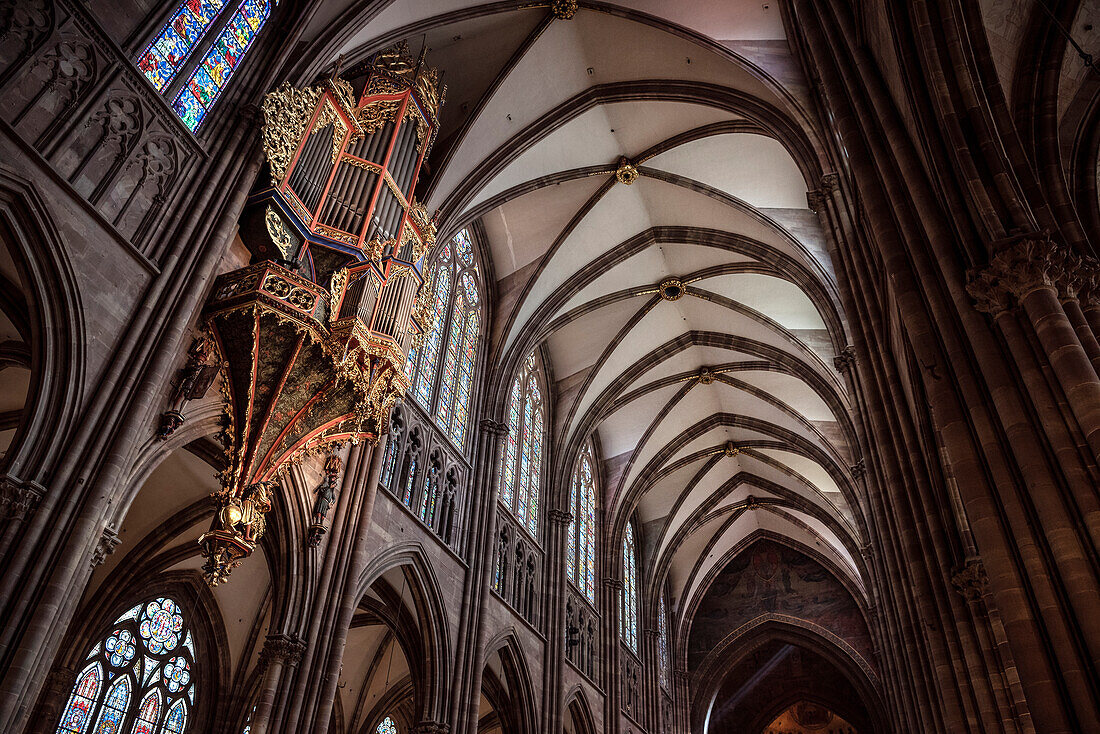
858,469
1019,266
970,580
846,359
105,546
814,200
287,648
559,517
494,428
830,182
431,727
18,498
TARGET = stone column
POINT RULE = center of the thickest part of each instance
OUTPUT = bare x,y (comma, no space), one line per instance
612,673
554,570
280,651
55,694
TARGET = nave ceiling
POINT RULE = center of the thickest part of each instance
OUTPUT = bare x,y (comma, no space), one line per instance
717,409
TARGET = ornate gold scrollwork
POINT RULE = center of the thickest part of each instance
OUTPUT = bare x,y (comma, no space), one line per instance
627,172
286,112
276,229
329,116
336,292
373,115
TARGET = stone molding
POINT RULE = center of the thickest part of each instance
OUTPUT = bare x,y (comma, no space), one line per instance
431,727
287,648
1022,265
846,359
559,517
494,428
105,546
613,584
18,498
970,580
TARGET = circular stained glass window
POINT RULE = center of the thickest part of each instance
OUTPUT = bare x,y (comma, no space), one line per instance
177,674
161,623
120,648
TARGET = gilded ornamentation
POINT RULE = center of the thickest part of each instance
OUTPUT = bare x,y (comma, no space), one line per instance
563,9
627,172
706,377
286,112
373,115
276,229
329,116
671,289
336,292
730,449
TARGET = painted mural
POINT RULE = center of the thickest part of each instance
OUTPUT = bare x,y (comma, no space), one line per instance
769,577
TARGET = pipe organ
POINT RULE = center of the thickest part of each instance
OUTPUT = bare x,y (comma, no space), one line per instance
311,338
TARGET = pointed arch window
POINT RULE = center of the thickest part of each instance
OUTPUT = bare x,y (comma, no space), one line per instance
521,469
581,551
138,678
221,31
628,620
442,369
386,726
662,644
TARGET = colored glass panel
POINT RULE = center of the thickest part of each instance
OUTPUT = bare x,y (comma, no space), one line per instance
213,73
147,657
430,352
410,484
147,715
168,51
535,472
161,625
582,539
176,720
450,363
571,543
387,727
114,707
508,468
628,622
464,248
662,643
391,462
78,711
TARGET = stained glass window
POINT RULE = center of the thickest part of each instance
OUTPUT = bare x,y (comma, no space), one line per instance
171,48
522,465
222,58
387,727
140,676
581,551
628,620
662,643
449,352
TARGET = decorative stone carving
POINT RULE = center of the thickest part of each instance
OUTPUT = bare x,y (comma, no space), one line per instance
108,541
705,376
494,428
17,498
559,517
846,359
731,449
815,200
830,182
970,580
858,469
431,727
1019,266
286,648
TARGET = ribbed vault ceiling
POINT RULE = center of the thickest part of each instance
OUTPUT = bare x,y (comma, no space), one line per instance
538,115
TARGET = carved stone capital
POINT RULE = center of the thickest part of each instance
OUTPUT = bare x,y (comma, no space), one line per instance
1020,266
815,200
108,541
287,648
970,580
846,359
858,469
830,182
18,498
431,727
1089,294
559,517
563,9
494,428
